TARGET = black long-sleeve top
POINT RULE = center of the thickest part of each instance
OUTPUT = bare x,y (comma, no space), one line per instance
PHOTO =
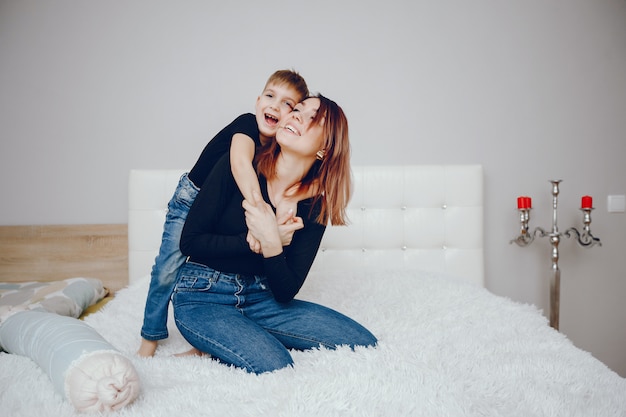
220,145
215,235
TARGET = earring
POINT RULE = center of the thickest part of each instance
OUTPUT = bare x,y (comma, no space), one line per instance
320,155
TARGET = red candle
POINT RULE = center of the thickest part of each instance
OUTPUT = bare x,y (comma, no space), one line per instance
524,202
587,202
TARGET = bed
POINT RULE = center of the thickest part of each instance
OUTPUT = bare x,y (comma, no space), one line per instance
411,268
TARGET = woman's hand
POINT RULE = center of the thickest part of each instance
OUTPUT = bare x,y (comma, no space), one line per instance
287,225
255,245
262,225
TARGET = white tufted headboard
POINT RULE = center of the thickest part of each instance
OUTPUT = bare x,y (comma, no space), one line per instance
428,217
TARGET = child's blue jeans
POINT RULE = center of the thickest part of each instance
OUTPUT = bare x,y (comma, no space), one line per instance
236,319
167,262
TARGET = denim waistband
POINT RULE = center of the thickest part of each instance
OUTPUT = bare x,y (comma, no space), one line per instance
226,276
240,278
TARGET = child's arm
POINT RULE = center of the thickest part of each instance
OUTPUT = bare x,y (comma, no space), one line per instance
241,155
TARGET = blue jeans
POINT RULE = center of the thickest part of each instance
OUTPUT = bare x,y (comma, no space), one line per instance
167,262
236,319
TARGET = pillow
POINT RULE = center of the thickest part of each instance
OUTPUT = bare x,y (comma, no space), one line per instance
68,297
82,365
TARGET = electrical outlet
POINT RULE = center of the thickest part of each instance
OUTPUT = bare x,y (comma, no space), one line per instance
616,203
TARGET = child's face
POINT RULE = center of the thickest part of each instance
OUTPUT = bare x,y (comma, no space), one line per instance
272,106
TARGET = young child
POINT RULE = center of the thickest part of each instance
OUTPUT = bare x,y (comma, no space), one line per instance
282,91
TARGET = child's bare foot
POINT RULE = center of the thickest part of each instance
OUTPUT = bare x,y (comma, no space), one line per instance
147,348
192,352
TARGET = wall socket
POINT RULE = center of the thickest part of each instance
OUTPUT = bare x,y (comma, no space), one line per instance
616,203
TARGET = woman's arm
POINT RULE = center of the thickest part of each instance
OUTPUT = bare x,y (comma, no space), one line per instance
263,225
285,267
215,226
287,272
215,232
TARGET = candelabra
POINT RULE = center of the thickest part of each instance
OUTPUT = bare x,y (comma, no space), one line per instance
525,238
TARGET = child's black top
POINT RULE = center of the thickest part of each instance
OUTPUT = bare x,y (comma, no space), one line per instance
220,145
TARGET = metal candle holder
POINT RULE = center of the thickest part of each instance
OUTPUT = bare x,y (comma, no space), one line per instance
584,239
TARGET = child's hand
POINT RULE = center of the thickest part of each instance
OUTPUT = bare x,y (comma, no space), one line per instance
287,225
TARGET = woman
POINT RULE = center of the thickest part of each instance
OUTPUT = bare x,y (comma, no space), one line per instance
234,299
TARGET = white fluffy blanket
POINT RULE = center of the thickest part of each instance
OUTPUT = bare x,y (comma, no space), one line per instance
446,349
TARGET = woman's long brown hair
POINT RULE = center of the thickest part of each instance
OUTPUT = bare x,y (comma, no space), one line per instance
329,181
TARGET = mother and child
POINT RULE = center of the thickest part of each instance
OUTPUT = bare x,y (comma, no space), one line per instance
242,231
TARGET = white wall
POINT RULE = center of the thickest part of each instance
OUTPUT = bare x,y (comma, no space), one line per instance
532,89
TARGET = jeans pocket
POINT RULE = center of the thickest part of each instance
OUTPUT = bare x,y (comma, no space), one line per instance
189,283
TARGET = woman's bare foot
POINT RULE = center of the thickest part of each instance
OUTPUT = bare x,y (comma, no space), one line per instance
147,348
192,352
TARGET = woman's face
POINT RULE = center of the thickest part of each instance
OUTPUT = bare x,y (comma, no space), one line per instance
299,133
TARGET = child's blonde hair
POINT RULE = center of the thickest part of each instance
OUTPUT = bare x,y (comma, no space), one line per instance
292,79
